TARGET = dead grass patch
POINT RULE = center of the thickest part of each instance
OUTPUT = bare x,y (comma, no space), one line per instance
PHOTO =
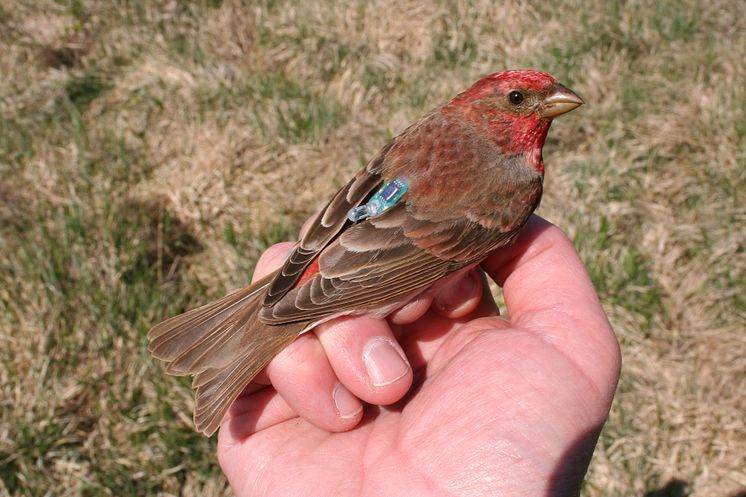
149,151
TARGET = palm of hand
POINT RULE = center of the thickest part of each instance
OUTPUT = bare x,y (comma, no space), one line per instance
498,407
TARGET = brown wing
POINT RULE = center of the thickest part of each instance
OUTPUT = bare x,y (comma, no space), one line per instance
362,267
464,201
326,226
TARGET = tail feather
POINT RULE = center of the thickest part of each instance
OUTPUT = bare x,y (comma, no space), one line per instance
217,347
167,339
224,346
217,388
216,393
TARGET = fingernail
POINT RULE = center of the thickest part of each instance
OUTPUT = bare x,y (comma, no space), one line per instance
384,362
452,297
347,404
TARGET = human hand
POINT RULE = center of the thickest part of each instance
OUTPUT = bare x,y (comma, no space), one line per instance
483,404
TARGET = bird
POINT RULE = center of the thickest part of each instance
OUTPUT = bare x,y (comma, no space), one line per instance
438,198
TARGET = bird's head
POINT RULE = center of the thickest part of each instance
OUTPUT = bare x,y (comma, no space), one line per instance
514,109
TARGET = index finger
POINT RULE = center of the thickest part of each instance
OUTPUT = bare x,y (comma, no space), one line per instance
548,291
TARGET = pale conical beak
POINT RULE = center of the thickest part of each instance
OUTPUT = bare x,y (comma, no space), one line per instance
560,101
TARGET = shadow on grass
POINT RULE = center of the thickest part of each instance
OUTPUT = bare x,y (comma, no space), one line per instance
674,488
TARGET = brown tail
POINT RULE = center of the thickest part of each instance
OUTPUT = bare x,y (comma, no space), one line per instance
224,346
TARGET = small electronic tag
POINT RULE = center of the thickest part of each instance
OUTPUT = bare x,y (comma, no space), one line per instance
385,198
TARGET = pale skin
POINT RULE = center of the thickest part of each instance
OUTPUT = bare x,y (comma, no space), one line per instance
482,404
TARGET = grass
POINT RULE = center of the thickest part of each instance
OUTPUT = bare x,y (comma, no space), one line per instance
149,151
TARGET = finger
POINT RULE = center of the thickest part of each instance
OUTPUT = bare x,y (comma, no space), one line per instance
366,358
307,224
461,297
423,339
272,259
548,290
255,412
302,375
453,297
413,310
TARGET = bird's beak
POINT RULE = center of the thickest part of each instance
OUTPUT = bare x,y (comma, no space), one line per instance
560,101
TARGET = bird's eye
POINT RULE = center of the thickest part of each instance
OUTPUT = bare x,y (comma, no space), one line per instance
515,97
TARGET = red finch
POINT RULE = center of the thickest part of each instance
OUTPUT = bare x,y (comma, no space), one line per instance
437,199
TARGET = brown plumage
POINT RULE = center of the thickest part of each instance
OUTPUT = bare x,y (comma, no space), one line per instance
475,172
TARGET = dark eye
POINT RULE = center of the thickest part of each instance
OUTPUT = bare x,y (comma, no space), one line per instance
515,97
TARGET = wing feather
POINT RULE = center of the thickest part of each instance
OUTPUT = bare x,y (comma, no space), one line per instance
327,224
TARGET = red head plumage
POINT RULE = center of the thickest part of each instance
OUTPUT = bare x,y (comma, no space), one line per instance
512,108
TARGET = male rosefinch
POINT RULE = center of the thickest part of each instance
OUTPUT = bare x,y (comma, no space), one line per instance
437,199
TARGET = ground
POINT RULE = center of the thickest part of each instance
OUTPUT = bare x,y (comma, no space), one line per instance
149,151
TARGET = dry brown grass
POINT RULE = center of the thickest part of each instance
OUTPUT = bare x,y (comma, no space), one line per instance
150,150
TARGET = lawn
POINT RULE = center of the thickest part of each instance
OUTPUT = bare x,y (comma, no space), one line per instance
149,151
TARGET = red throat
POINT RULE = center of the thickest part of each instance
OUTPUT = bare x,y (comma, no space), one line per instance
528,136
512,134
